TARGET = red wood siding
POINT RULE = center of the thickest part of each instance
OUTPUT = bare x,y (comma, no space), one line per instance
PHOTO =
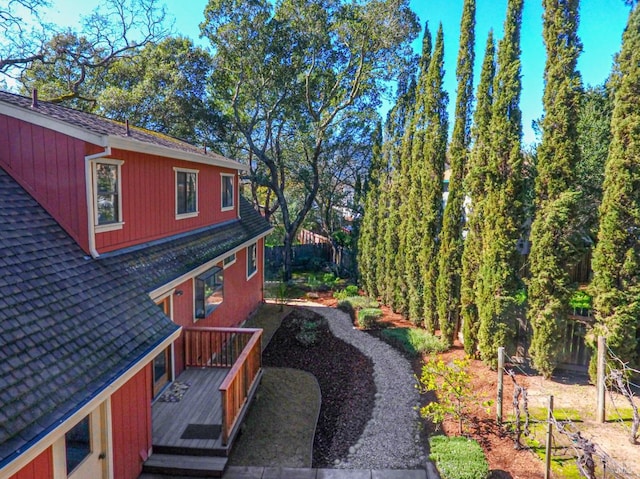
241,298
131,424
40,468
148,200
50,166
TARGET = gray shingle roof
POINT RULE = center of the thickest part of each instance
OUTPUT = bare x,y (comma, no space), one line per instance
161,262
103,126
69,325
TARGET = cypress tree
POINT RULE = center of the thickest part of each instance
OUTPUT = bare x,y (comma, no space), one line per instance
450,255
434,151
474,186
367,260
391,275
554,230
411,208
616,259
498,283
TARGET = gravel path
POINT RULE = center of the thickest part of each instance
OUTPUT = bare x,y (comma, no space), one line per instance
391,439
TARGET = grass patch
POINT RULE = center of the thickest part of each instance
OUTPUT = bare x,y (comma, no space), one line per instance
458,458
280,426
268,317
413,341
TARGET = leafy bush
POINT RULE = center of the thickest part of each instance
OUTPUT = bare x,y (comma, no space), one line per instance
362,302
414,341
368,318
349,291
458,458
348,308
580,300
330,280
308,334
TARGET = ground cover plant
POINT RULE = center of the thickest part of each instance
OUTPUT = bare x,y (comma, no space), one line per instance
413,341
458,458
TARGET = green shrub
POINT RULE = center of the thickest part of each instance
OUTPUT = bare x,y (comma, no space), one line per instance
368,318
349,291
348,308
362,302
414,341
458,458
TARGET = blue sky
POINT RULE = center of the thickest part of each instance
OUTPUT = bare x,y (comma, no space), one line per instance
601,25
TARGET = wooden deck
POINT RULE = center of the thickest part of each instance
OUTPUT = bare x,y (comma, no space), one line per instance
201,404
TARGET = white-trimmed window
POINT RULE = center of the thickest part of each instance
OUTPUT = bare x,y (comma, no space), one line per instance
252,260
107,194
209,291
186,193
229,260
228,194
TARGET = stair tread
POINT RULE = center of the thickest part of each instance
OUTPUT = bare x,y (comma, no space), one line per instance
185,463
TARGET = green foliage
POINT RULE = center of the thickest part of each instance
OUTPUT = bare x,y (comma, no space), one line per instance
350,291
450,254
362,302
308,333
556,230
346,307
284,110
368,317
452,384
414,341
497,281
474,185
409,285
458,458
616,259
581,300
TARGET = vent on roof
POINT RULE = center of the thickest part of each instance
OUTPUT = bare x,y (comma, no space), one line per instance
126,122
34,98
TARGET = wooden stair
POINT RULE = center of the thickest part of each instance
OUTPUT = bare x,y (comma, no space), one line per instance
192,466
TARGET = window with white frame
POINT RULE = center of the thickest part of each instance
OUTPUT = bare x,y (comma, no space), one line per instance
252,260
186,193
227,191
229,260
77,444
107,194
209,291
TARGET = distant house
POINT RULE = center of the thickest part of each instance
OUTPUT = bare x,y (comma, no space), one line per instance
128,260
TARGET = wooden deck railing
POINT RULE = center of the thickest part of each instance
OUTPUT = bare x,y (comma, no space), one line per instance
237,348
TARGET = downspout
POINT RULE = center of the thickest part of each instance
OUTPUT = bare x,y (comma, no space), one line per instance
91,220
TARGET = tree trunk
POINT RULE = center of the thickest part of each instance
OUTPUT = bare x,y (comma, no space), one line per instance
287,255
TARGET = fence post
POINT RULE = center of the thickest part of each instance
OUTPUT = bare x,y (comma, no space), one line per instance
601,372
547,468
500,384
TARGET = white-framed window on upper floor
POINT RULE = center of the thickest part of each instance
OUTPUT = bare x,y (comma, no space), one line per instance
228,191
186,193
208,291
229,260
252,260
107,194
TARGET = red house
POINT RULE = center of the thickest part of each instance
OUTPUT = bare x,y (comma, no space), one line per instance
128,261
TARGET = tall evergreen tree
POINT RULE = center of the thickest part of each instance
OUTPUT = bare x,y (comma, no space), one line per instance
450,255
498,282
393,197
367,260
434,151
554,231
475,189
411,211
616,259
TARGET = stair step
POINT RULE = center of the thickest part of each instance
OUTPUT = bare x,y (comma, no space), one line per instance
195,466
